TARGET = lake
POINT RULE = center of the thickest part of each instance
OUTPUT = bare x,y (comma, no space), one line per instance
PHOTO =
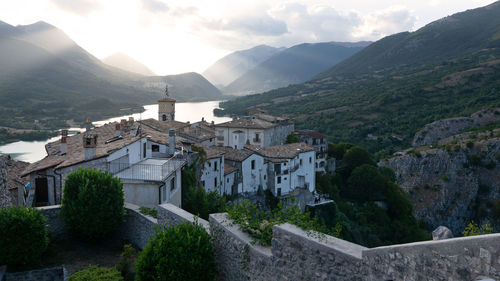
32,151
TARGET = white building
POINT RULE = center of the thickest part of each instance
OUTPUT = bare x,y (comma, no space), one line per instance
252,130
289,167
146,160
320,143
212,172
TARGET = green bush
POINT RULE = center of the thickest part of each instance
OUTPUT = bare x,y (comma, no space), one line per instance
125,264
178,253
149,212
92,204
95,273
291,138
23,236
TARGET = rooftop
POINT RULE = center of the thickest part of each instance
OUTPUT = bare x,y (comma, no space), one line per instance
280,152
228,169
247,124
107,143
232,154
309,133
152,169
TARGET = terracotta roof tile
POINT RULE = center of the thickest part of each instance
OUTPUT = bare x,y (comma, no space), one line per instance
228,169
280,152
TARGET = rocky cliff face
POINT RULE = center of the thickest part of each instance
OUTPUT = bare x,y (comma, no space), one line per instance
445,128
4,192
10,181
455,182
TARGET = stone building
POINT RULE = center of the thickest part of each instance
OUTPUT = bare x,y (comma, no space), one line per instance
253,130
166,107
289,167
319,142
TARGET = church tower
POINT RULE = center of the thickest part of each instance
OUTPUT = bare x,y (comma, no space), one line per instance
166,107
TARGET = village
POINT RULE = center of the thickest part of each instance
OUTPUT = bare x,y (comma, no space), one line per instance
242,157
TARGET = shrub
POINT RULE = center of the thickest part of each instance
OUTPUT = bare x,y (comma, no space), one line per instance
472,229
180,253
291,138
92,204
125,264
259,224
149,212
94,273
23,236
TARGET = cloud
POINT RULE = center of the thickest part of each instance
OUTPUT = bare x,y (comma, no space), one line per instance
79,7
154,6
385,22
252,25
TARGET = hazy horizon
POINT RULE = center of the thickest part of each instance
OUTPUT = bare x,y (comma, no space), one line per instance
189,36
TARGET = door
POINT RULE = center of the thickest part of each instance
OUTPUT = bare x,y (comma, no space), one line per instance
41,192
302,181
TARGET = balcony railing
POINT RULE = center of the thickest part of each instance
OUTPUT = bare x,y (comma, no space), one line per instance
148,172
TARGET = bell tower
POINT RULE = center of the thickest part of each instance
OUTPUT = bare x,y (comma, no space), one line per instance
166,107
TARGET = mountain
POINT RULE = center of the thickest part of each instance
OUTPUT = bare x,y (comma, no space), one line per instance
395,86
127,63
190,86
294,65
230,67
46,77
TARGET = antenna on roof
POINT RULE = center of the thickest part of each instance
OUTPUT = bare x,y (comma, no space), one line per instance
166,90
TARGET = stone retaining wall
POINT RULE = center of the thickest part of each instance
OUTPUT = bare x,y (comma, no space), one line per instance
299,255
46,274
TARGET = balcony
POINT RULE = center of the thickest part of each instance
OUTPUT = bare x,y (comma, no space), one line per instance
147,170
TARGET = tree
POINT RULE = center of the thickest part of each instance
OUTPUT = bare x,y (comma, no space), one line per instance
337,151
24,236
355,157
179,253
92,204
365,184
291,138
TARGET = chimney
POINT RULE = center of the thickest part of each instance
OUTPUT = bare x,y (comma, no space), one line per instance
213,122
88,123
171,142
117,129
202,119
64,135
131,120
89,145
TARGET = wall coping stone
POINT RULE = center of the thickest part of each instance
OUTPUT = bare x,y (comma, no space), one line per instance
48,207
136,209
186,215
323,240
234,230
473,241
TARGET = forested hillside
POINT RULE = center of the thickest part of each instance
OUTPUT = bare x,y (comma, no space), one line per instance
395,86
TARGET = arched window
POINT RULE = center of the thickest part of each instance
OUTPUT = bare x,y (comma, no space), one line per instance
164,117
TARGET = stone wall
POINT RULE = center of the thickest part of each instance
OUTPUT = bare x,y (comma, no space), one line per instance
137,228
466,258
299,255
170,215
54,222
46,274
294,254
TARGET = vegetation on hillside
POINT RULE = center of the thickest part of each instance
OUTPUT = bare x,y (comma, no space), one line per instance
395,86
371,208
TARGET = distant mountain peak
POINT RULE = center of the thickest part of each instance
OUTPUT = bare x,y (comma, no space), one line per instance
37,26
125,62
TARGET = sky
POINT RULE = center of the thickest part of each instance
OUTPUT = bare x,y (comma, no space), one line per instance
178,36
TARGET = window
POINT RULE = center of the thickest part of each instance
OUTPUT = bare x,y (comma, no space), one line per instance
209,164
253,164
279,180
144,150
164,117
227,180
164,193
172,184
88,141
300,162
235,147
215,182
155,148
203,183
215,165
279,191
310,160
264,177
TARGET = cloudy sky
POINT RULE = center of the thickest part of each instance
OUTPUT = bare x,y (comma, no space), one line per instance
178,36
